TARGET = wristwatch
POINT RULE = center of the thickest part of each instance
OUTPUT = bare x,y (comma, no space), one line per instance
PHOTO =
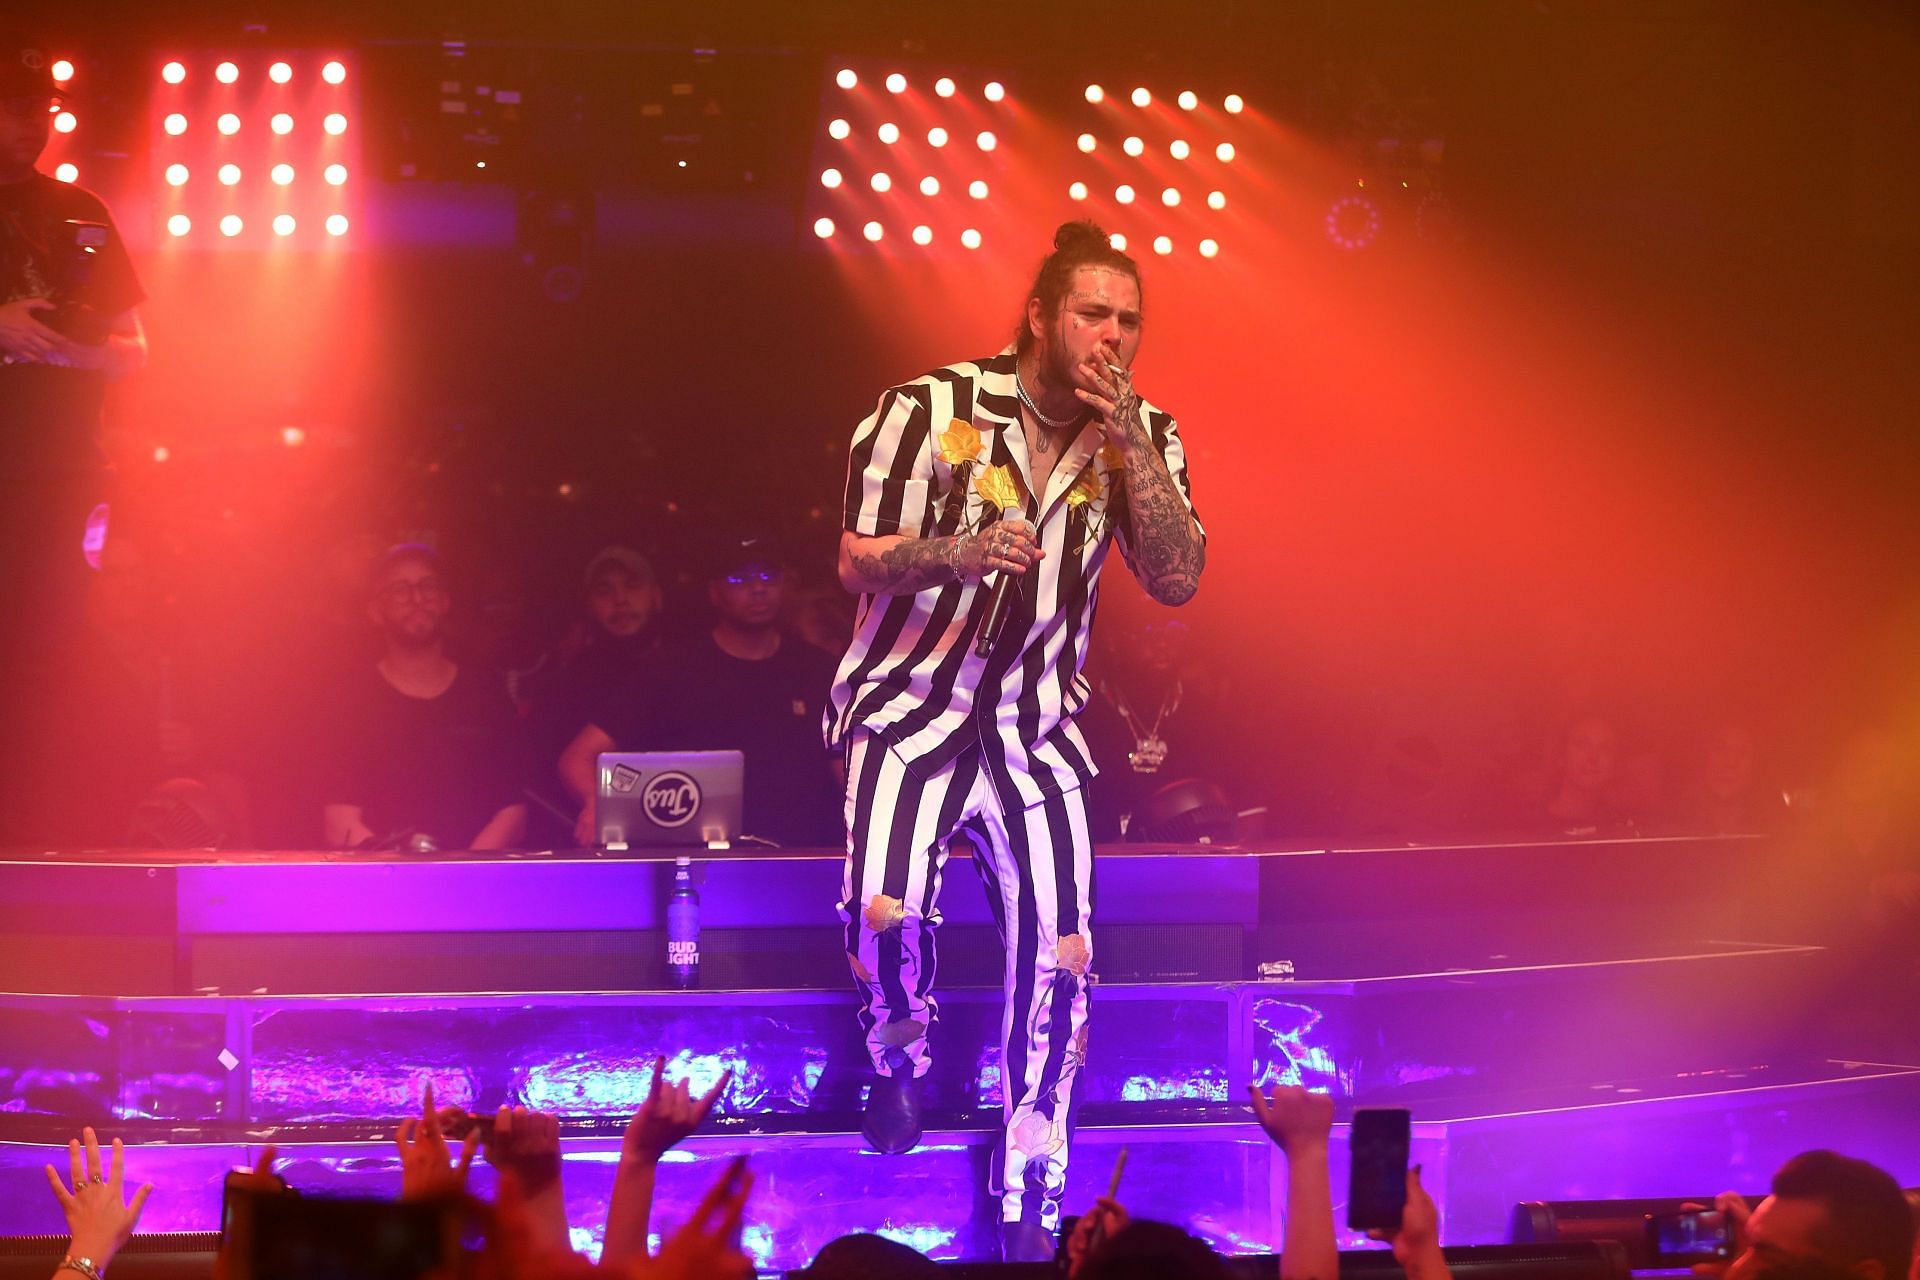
83,1265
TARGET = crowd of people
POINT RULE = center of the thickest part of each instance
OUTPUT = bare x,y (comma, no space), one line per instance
1828,1216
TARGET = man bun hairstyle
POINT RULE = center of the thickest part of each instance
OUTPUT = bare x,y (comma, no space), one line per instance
1075,245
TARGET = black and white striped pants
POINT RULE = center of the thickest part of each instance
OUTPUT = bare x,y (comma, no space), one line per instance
1037,864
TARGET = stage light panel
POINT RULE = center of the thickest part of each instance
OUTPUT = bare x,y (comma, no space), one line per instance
929,186
335,123
177,175
226,73
1086,142
1189,100
873,231
1141,98
970,238
282,123
173,72
1163,245
994,91
923,234
889,133
228,123
896,83
823,227
280,73
335,72
881,182
67,172
179,224
839,130
175,124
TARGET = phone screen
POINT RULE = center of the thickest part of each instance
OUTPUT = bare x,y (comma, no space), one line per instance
1691,1235
1377,1167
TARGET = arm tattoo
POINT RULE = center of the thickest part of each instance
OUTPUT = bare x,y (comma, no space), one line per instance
1167,551
909,565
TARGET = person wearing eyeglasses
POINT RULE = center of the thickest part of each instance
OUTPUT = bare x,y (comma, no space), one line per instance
428,752
745,684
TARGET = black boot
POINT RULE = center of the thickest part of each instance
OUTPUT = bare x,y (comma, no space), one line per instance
1026,1242
891,1124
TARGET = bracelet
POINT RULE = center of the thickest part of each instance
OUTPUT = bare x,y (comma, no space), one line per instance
953,557
83,1265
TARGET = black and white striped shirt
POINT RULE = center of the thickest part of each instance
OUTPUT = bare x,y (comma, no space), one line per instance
910,675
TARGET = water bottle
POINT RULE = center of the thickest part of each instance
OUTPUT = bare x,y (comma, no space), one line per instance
683,927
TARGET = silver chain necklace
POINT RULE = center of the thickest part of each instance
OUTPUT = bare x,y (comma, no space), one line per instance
1057,424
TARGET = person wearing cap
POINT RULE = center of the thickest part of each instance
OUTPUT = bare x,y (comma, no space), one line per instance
744,685
60,344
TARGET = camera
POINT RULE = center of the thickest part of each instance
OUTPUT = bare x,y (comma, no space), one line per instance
75,254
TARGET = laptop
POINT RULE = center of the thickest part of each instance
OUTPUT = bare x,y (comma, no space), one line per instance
669,797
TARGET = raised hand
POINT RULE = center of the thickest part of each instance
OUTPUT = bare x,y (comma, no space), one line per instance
670,1113
427,1167
708,1247
1294,1118
1416,1245
99,1216
526,1145
1103,1222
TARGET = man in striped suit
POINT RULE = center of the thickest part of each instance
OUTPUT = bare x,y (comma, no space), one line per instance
1027,464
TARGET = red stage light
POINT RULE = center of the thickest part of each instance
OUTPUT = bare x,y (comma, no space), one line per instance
279,73
847,79
1189,100
873,231
229,175
62,70
1233,104
977,189
1224,151
282,174
177,175
1087,142
1170,197
1095,93
839,130
1123,193
176,124
179,224
161,453
1078,191
1118,241
336,224
334,73
986,140
173,73
944,86
1179,149
881,182
936,137
283,226
896,83
923,234
1141,98
994,91
226,73
1209,248
1216,199
1133,146
823,227
335,123
335,174
889,133
830,178
282,122
231,225
1163,244
65,122
228,123
293,437
929,186
68,172
970,238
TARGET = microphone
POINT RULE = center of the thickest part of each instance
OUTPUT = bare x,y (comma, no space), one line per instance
1002,590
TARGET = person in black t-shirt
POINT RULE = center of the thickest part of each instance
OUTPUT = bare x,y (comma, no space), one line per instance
67,326
424,747
745,685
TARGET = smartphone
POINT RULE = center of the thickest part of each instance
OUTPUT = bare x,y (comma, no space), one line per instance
240,1184
1378,1143
274,1236
1688,1236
